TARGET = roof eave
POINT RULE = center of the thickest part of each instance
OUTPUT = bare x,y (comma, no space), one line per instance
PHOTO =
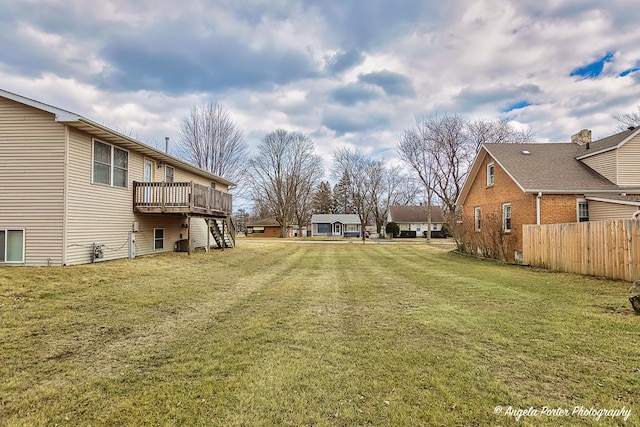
561,191
471,177
72,119
617,202
100,130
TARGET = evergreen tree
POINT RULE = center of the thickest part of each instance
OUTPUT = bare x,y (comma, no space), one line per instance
343,204
323,199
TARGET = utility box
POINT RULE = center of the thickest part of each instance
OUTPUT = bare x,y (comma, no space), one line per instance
132,245
98,252
182,245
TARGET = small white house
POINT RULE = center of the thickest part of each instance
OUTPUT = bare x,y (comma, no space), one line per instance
344,225
414,218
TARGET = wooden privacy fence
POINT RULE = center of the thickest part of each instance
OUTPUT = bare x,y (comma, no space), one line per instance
608,249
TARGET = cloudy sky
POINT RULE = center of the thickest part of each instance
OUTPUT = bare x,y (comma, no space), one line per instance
344,72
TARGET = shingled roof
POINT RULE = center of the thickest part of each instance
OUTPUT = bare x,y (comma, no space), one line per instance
267,222
550,168
606,144
415,214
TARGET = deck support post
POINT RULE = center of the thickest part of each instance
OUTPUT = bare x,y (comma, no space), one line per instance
208,234
224,243
189,234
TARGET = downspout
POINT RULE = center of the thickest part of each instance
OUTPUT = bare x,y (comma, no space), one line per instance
538,197
636,214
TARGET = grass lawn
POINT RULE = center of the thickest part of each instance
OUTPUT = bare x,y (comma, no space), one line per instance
278,333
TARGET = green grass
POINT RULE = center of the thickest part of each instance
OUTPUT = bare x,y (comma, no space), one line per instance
278,333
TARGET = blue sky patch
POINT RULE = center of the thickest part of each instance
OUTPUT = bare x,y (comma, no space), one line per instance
629,71
593,70
516,106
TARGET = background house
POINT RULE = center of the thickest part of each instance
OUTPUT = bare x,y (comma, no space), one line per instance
514,184
264,228
74,191
344,225
414,219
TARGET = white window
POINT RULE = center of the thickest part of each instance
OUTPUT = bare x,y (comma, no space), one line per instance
12,246
583,211
158,238
169,172
110,165
477,219
506,217
490,170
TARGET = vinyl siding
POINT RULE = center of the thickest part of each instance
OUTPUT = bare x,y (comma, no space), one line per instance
103,214
96,213
629,163
604,164
184,176
32,179
601,211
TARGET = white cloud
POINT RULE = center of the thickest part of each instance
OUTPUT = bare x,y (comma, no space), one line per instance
267,63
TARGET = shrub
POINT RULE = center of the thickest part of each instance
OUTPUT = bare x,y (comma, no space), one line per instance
393,229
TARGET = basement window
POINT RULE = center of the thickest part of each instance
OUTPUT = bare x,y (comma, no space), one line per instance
158,238
12,246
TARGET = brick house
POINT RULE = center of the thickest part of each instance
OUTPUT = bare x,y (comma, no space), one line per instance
268,227
510,185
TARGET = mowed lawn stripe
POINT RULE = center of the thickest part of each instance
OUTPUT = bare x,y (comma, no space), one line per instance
275,333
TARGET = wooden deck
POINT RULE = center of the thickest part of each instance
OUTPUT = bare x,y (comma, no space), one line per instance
180,198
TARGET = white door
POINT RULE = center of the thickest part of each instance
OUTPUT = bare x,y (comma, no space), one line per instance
148,177
337,229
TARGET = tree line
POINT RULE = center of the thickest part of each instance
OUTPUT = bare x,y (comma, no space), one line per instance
285,179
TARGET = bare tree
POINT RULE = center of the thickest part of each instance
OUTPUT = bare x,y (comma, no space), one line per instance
417,149
440,150
285,169
378,194
358,168
497,131
406,188
211,140
627,120
310,178
397,189
453,152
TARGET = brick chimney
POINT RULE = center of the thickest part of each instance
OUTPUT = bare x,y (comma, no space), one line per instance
582,137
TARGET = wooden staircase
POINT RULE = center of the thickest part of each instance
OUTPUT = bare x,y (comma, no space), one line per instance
223,231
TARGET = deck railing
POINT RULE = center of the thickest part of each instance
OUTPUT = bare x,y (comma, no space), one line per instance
171,197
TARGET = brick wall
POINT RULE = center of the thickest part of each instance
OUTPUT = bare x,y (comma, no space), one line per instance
557,208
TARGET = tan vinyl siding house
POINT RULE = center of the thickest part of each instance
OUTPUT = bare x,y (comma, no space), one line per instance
601,211
628,162
49,191
605,164
32,156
